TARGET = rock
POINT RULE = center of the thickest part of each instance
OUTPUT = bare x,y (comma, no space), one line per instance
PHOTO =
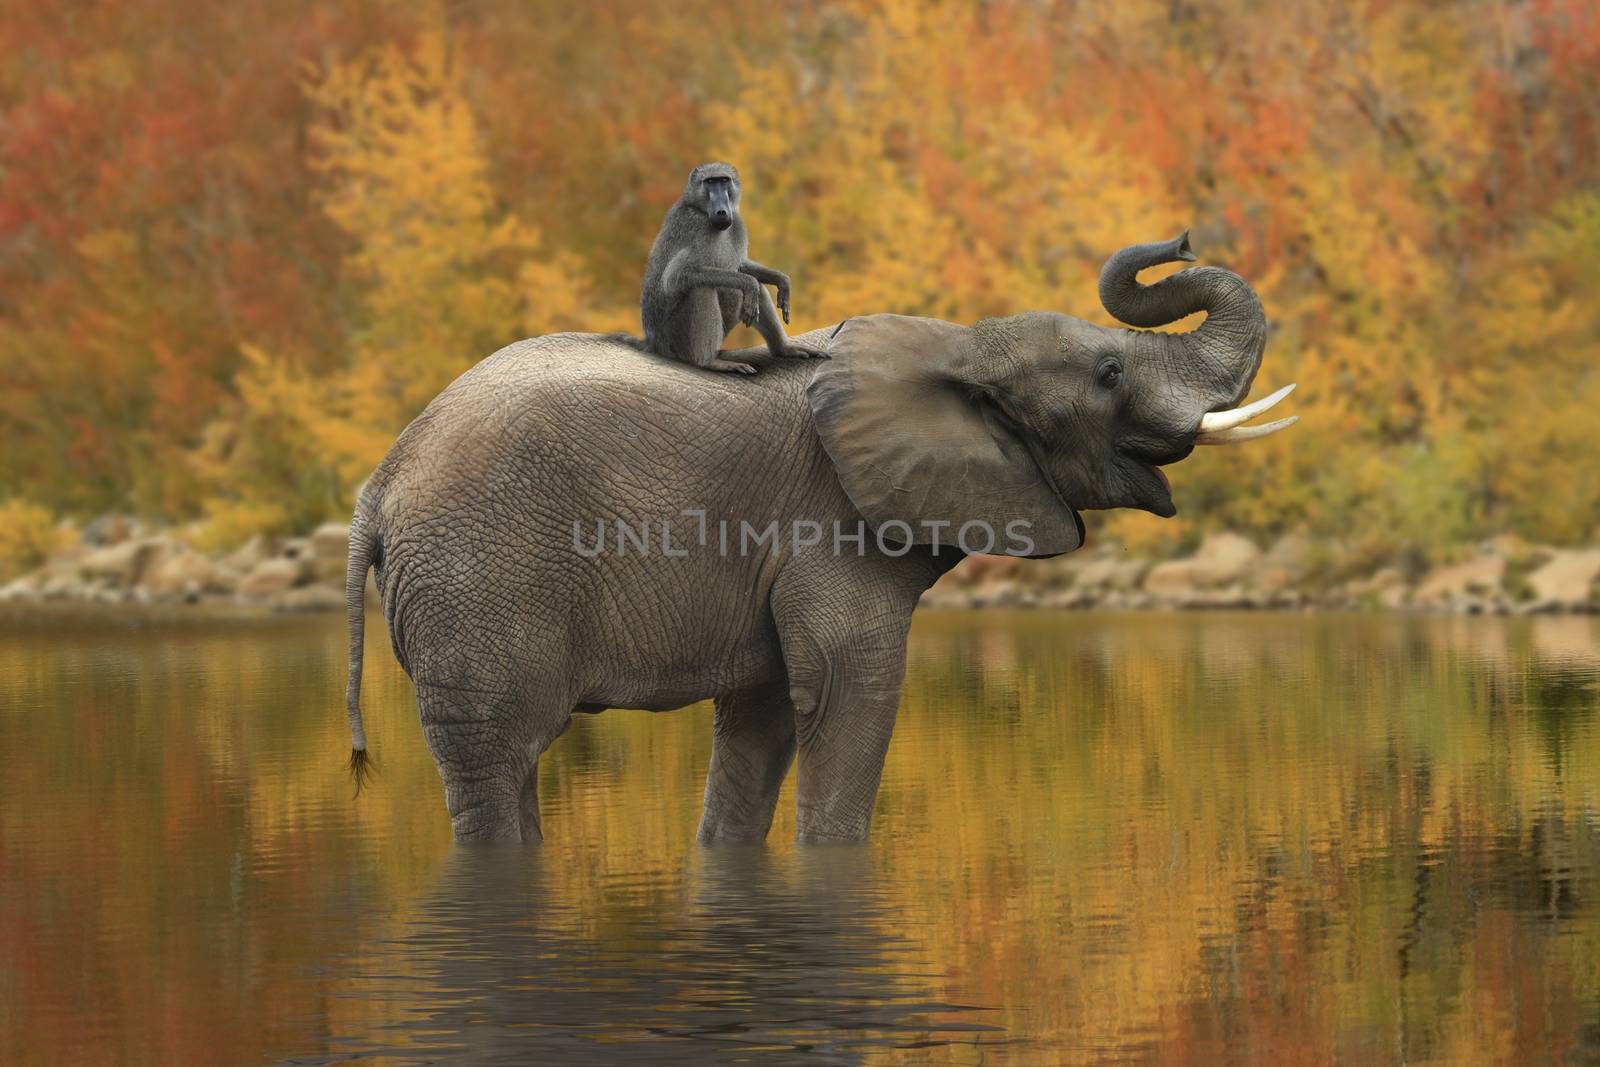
1290,550
1395,594
943,597
1284,566
1507,545
1172,582
24,588
244,559
330,551
122,565
108,530
1061,572
1228,596
1476,578
994,592
331,539
181,574
56,586
976,570
309,598
298,551
1384,587
1111,573
224,579
269,577
1567,579
1128,600
1223,559
1069,599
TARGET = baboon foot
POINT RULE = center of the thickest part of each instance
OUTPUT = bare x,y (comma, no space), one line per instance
793,351
730,366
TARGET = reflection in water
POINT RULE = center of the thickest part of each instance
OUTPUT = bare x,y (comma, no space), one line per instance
793,955
1159,838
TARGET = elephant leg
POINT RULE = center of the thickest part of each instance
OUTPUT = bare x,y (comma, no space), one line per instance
846,658
487,746
752,746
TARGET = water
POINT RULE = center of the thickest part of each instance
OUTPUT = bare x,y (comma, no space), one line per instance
1101,839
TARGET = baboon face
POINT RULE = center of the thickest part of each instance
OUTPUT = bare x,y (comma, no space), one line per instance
714,189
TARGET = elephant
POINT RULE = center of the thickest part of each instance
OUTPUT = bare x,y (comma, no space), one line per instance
770,536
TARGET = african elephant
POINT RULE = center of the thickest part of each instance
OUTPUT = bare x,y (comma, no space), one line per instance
568,528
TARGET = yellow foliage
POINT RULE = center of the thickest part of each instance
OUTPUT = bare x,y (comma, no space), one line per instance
406,180
1412,195
558,297
1534,388
442,276
28,534
227,524
902,193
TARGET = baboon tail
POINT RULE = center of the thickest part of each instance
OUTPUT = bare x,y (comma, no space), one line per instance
363,548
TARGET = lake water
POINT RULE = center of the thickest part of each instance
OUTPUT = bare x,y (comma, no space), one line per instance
1200,838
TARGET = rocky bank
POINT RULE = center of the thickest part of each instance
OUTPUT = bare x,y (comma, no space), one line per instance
118,561
1502,576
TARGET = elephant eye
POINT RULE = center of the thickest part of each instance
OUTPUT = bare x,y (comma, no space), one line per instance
1111,374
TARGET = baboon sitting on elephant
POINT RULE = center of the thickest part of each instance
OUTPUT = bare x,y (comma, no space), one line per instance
862,479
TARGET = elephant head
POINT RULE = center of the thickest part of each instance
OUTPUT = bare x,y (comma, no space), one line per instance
1037,416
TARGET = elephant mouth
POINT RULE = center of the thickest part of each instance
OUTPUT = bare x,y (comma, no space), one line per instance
1154,491
1156,460
1153,488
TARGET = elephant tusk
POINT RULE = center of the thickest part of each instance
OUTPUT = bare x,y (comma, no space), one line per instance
1227,420
1234,434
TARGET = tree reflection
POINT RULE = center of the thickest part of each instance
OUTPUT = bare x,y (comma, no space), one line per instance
1190,838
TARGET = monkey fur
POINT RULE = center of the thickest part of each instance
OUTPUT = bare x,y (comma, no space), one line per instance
700,280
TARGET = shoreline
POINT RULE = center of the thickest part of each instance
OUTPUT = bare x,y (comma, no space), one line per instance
119,564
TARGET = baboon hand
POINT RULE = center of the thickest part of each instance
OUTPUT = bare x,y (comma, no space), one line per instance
750,304
783,300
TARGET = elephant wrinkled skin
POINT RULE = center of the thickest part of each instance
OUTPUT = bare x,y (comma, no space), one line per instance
513,600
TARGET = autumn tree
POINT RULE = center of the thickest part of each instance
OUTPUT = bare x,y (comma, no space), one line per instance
240,248
438,275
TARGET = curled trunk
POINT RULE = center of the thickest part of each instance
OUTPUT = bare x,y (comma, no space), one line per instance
1221,357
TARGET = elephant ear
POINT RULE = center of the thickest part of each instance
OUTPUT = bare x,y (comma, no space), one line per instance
908,411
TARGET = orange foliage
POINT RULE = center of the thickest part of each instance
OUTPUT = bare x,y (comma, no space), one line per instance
1412,188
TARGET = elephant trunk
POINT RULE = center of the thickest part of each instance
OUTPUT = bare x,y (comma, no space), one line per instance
1220,358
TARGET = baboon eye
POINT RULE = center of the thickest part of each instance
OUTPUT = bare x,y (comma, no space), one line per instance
1111,374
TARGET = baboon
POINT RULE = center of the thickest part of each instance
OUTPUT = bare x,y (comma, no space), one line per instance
700,279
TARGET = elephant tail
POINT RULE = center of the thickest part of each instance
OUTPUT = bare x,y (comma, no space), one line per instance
365,552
